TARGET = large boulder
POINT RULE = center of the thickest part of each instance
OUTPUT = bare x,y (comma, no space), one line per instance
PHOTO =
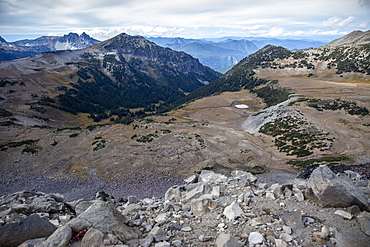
106,218
32,227
328,190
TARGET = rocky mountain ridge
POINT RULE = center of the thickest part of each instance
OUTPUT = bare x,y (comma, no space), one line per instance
28,47
120,73
209,210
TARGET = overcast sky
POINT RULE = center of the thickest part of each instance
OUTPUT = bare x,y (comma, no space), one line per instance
315,19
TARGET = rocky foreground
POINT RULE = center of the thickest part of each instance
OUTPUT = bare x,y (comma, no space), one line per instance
208,210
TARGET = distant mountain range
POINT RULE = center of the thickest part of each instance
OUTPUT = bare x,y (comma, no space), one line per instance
31,47
223,54
220,54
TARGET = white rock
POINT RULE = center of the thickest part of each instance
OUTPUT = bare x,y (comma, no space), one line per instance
186,229
280,243
286,237
232,211
287,229
207,176
343,214
161,218
163,244
255,238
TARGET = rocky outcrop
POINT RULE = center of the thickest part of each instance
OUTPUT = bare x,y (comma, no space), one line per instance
216,211
331,191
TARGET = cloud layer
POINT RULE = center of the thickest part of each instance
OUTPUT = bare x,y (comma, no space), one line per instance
190,18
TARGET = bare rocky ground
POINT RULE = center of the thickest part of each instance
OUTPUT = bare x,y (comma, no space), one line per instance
208,210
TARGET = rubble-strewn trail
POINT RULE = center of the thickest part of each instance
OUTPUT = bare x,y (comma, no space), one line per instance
208,210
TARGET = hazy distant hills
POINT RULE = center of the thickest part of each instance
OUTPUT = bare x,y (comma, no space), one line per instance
222,54
108,78
30,47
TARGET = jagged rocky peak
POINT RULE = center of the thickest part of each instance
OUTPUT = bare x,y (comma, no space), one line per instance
125,43
353,38
3,42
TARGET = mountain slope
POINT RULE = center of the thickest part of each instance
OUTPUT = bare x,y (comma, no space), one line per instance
27,47
353,38
106,79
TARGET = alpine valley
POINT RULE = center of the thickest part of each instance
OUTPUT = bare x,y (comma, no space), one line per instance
127,111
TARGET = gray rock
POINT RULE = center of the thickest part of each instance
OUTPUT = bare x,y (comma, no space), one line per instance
345,240
78,224
202,205
158,234
292,219
194,191
93,238
364,220
177,243
255,238
173,193
106,218
226,240
329,190
13,234
60,237
132,200
146,242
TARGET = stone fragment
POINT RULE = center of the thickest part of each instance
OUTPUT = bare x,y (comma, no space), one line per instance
226,240
194,191
364,220
241,175
343,214
177,243
158,234
207,176
286,237
191,179
106,218
233,211
93,238
172,193
280,243
255,238
292,219
78,224
132,200
60,237
186,229
204,238
163,244
13,234
287,229
346,240
354,210
146,242
203,205
328,190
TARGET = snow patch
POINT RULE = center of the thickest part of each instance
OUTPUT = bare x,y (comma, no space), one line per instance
241,106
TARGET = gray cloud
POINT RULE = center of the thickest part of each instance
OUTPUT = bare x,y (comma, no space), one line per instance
195,18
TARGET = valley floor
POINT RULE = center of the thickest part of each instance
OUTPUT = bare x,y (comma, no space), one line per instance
206,134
